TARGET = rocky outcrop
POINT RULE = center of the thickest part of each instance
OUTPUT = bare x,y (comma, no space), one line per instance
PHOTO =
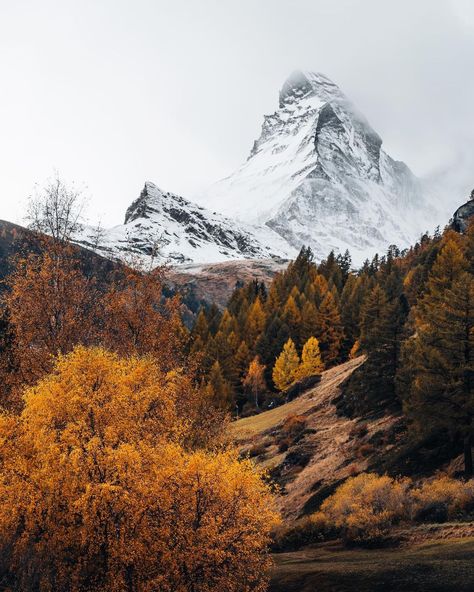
162,226
463,215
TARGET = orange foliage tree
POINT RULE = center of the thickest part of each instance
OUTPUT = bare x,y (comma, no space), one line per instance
97,492
139,320
254,380
51,305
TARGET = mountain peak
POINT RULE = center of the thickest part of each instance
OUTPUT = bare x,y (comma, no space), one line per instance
148,201
305,83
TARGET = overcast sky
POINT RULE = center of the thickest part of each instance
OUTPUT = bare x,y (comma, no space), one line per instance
111,93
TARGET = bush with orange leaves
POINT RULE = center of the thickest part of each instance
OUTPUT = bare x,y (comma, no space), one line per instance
98,493
364,508
443,498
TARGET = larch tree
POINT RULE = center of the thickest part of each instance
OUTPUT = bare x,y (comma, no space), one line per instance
311,362
285,370
438,368
219,389
330,330
254,380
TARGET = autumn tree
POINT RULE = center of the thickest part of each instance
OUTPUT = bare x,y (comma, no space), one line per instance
438,369
138,319
311,363
254,380
219,389
98,494
330,330
52,306
285,370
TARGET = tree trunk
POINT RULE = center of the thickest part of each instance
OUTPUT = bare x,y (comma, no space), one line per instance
468,468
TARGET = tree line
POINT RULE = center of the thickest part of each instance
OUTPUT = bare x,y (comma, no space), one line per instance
409,312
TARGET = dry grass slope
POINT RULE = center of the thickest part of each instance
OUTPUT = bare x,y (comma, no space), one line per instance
330,449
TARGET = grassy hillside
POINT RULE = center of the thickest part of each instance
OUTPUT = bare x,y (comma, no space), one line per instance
328,448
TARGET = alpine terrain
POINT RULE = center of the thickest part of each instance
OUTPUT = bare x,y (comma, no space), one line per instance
161,225
318,176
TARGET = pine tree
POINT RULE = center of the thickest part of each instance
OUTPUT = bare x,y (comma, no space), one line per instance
286,367
292,318
309,321
255,323
381,323
330,330
439,361
311,363
219,389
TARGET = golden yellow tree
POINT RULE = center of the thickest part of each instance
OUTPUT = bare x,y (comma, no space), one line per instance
285,370
98,494
311,363
254,380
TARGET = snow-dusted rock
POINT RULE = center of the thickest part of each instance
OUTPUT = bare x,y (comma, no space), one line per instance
162,226
318,176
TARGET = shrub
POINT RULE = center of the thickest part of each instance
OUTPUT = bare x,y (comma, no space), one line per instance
257,450
442,498
365,507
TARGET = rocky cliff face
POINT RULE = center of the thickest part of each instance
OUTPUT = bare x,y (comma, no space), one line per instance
463,215
163,226
318,176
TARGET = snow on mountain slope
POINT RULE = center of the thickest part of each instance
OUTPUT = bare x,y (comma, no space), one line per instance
318,176
163,226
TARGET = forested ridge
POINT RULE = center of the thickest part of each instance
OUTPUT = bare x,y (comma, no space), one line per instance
410,313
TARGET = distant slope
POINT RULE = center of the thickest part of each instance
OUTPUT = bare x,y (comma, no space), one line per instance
215,282
332,447
15,240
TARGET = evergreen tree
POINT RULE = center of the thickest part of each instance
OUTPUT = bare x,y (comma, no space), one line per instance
286,366
255,323
309,321
219,389
439,361
330,330
292,318
380,339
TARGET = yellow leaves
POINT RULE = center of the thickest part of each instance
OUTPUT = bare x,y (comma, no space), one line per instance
311,363
367,506
105,498
364,507
286,366
288,369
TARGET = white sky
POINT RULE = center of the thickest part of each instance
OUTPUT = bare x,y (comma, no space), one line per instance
112,93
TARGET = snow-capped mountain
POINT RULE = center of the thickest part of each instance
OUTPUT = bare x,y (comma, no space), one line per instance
166,227
318,176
